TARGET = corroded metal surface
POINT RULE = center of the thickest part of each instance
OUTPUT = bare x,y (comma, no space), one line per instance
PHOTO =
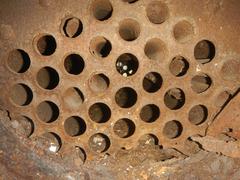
59,59
101,75
23,159
228,121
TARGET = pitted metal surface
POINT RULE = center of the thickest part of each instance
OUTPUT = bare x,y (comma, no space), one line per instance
101,74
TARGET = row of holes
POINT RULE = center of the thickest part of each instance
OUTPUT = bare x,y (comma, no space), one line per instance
126,97
126,65
123,128
54,141
101,47
101,113
156,11
99,142
98,112
129,30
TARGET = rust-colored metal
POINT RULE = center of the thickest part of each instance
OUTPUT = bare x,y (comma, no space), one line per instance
228,148
93,63
228,121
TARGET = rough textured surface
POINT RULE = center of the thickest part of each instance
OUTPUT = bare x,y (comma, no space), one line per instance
23,160
80,55
96,42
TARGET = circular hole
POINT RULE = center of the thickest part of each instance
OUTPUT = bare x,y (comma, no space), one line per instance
126,97
152,82
102,9
74,64
198,114
172,129
127,64
157,12
47,111
49,141
47,78
130,1
46,45
21,94
72,27
25,126
178,66
99,143
150,113
155,49
200,83
174,98
80,153
124,128
99,83
129,29
76,156
99,112
204,51
75,126
73,98
100,47
148,139
18,61
183,31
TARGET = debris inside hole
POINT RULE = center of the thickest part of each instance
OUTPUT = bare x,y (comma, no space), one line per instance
178,66
152,82
100,47
204,51
23,125
72,27
148,139
172,129
75,156
174,98
200,83
124,128
49,141
127,64
99,143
